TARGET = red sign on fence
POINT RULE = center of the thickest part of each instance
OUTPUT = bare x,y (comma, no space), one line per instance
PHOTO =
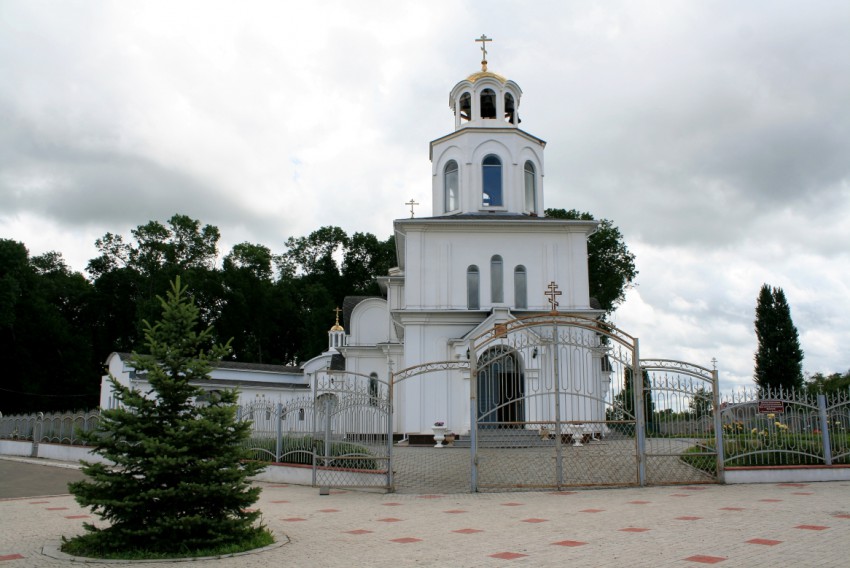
771,407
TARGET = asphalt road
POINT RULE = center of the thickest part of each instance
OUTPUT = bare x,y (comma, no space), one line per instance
18,479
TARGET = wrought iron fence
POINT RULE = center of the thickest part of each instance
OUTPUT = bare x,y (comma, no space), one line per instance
55,427
775,428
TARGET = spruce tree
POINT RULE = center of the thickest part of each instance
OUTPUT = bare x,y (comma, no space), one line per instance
178,482
779,358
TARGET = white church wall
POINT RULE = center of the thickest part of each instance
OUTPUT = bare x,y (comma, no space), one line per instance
370,323
550,256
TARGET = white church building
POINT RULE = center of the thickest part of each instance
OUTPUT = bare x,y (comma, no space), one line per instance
485,256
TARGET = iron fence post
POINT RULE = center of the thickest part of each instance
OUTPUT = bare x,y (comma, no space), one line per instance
718,428
824,429
36,433
473,420
559,466
278,448
390,410
640,425
315,392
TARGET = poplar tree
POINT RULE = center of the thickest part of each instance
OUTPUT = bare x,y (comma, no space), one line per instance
178,482
779,358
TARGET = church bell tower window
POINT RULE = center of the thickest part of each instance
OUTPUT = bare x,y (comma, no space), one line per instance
510,109
472,281
530,188
450,181
466,107
491,170
488,103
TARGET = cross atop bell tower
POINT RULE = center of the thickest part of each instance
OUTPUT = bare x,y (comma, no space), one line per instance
483,39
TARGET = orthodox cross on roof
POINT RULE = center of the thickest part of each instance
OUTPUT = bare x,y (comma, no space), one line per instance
411,203
483,39
337,310
552,293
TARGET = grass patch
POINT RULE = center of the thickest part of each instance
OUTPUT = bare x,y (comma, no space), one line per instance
90,546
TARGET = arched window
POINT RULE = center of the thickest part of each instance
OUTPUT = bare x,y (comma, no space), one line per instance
373,389
472,280
530,188
491,173
465,107
510,109
450,185
488,103
520,288
497,295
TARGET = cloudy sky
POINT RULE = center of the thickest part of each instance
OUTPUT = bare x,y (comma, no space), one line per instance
716,135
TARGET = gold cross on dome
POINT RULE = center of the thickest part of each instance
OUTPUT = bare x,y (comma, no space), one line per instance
411,203
552,293
337,310
483,39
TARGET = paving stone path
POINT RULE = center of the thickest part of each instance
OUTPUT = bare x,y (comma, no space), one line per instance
736,525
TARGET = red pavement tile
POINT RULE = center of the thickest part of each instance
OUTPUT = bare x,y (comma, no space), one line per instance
10,557
591,510
811,527
508,555
390,520
535,520
764,541
358,531
391,504
57,508
633,529
791,484
77,516
293,519
688,518
770,500
406,540
280,501
639,502
468,531
569,543
731,508
841,516
455,511
329,510
38,502
512,504
701,558
337,492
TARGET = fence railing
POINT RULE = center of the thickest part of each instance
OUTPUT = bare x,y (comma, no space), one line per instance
53,427
785,428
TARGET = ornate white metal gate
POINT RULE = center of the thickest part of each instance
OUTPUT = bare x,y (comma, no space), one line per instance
682,423
554,405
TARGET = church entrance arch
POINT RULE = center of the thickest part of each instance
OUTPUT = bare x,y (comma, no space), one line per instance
501,388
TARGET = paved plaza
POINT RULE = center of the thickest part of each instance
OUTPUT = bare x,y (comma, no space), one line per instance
691,525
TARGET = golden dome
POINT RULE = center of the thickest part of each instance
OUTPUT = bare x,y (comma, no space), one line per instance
483,74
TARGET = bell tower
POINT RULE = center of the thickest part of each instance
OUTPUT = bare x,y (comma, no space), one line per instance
488,165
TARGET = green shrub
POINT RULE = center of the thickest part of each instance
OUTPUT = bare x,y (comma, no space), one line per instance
299,450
